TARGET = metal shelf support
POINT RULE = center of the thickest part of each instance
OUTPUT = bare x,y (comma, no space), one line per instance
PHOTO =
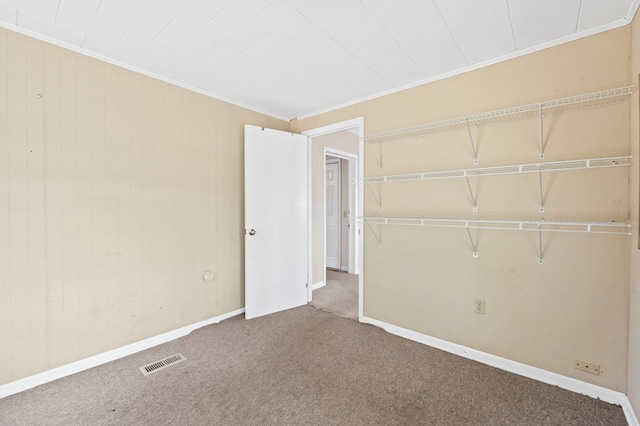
540,261
474,200
541,131
473,243
376,156
375,197
541,208
474,148
375,234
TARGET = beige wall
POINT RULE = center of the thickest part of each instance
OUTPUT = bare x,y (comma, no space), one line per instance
634,294
342,141
121,190
117,192
573,306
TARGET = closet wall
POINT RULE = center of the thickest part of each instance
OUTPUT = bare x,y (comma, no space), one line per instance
572,306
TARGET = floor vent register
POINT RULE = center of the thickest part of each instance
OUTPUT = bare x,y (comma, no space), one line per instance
163,363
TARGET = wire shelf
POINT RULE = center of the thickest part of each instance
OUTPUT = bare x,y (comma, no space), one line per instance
504,170
591,227
571,103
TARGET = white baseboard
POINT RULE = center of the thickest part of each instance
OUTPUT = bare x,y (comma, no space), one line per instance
344,269
632,419
594,391
96,360
318,285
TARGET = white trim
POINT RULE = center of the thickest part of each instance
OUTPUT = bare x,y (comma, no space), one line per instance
103,358
613,25
309,219
594,391
338,154
135,69
353,267
358,227
336,127
344,268
633,8
318,285
632,419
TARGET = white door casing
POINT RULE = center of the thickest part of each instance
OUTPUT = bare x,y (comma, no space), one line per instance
356,176
276,221
333,209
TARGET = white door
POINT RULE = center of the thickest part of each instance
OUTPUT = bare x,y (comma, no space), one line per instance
275,220
332,215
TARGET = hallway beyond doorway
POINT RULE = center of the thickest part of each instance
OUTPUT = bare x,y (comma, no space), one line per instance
339,295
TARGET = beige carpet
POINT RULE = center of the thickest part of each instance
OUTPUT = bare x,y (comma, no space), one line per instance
339,295
301,367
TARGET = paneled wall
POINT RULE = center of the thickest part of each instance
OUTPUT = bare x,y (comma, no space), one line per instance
574,305
117,192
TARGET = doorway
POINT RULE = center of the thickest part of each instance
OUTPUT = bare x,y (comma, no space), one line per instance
341,144
339,207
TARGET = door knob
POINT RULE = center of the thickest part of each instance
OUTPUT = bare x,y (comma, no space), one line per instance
252,232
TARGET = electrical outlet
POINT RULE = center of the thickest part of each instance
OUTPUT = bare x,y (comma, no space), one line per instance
479,306
588,367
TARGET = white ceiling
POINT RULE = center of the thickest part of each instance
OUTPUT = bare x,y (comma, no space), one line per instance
294,58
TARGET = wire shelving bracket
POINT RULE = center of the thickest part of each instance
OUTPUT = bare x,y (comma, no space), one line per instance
541,208
474,148
540,261
539,226
376,197
378,236
474,200
376,156
474,245
541,114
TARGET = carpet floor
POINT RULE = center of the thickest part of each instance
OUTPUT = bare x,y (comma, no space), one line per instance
303,366
339,295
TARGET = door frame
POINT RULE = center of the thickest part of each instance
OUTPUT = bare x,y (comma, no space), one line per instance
356,231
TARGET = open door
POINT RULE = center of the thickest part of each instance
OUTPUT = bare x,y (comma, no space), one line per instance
276,220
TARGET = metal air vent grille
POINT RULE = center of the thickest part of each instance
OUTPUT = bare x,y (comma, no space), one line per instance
163,363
